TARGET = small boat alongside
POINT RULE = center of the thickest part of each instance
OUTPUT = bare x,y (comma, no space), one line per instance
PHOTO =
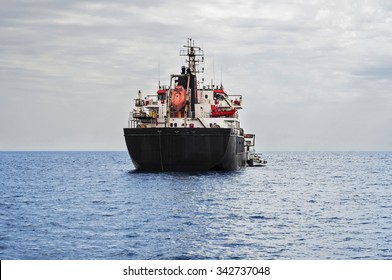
254,159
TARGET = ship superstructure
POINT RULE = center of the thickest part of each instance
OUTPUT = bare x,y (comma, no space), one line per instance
185,126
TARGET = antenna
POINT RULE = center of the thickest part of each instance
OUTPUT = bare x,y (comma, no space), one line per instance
191,51
159,73
221,77
213,69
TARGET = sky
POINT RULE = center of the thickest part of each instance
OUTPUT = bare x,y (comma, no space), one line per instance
315,75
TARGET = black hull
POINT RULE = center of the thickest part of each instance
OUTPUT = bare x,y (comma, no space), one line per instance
185,149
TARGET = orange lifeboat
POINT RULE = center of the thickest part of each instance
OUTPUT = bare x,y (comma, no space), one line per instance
178,98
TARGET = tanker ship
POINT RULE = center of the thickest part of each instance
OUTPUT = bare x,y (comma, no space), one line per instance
189,126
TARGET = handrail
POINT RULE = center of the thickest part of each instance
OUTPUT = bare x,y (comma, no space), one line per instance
202,123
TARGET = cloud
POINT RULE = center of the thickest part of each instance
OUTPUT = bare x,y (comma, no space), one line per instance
77,64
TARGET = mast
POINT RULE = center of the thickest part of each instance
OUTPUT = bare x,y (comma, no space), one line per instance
192,52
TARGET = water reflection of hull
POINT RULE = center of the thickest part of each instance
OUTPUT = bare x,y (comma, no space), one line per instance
185,149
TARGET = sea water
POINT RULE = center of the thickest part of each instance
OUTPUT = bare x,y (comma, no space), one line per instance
94,205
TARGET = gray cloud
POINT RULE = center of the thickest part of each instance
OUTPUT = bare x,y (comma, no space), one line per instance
315,75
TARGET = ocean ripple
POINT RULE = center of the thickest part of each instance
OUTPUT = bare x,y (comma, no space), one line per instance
92,205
